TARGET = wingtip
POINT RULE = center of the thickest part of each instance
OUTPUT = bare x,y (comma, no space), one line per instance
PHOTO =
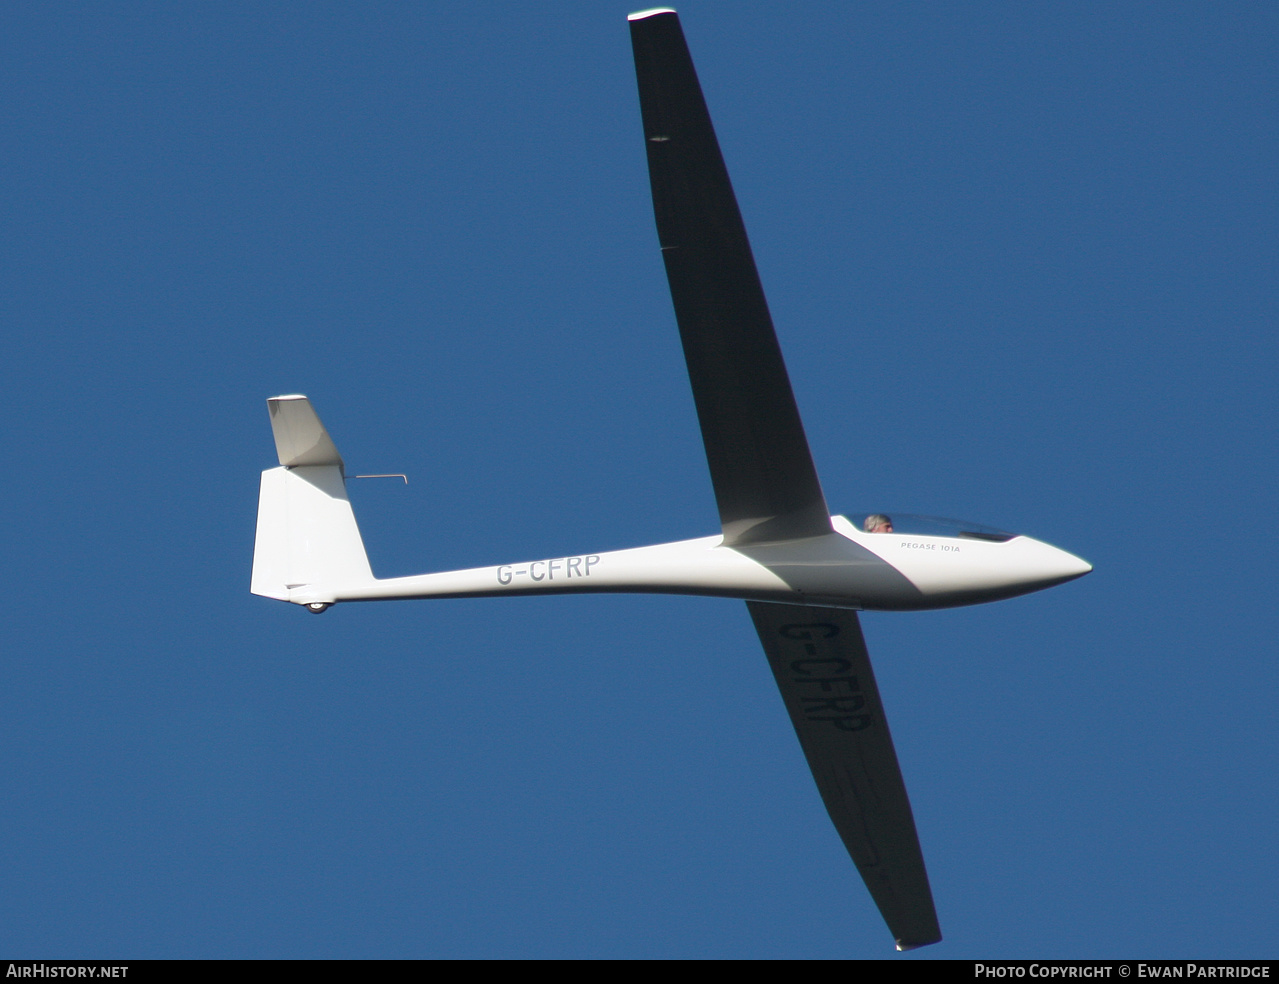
651,12
905,945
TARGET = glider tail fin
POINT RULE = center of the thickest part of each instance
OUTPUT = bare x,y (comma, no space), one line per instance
308,546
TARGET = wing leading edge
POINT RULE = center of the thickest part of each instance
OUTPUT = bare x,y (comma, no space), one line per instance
765,483
819,658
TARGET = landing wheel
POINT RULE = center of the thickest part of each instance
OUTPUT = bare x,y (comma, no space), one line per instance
318,607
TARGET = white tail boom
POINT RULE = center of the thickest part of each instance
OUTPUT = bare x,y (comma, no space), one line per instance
307,537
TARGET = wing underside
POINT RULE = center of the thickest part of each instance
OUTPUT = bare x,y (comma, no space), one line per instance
819,658
765,482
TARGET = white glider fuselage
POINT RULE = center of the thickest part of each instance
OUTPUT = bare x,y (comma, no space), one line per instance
843,569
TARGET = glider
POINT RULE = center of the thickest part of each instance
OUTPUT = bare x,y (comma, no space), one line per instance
803,572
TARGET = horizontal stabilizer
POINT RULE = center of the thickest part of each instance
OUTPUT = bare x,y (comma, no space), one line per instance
300,438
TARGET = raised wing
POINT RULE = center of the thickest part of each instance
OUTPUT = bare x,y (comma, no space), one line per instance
819,658
765,482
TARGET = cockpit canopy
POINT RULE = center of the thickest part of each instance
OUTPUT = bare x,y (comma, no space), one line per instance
909,523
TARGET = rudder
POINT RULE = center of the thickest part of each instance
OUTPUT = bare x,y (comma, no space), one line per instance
308,545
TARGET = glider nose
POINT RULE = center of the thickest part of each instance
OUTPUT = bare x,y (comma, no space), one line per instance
1056,566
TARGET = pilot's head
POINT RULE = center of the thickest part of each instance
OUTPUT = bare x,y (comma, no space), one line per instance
878,523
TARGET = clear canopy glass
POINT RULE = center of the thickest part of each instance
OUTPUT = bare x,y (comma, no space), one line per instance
910,523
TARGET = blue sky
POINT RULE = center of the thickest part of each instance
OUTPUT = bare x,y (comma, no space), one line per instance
1022,261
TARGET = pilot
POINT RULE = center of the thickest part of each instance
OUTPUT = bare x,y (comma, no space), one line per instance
878,523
